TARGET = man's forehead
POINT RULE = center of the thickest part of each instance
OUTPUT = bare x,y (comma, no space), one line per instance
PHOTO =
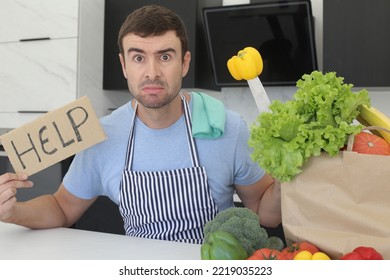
167,40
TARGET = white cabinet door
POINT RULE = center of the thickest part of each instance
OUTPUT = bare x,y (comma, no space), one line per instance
26,19
39,75
38,57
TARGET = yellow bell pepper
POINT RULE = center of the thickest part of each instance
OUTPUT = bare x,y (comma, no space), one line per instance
306,255
246,65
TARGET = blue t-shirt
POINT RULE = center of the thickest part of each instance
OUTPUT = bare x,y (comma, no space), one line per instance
98,170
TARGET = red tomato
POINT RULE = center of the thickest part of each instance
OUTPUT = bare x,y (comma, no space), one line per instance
368,253
290,251
368,143
351,256
267,254
363,253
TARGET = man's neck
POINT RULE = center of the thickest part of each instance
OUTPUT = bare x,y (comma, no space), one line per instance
161,117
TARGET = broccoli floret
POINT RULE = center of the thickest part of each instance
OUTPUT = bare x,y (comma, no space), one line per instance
243,223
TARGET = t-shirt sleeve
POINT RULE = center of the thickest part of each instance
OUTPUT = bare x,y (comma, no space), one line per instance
82,178
247,171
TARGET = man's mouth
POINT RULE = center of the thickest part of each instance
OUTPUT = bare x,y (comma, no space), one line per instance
151,89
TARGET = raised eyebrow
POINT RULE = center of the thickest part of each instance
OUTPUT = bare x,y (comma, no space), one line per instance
167,50
135,50
159,52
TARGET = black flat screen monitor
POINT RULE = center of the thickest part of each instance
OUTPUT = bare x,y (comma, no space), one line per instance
281,31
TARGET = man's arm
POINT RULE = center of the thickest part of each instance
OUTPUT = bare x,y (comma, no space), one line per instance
264,198
61,209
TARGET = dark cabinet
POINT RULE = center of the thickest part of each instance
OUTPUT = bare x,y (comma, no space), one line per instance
116,12
357,42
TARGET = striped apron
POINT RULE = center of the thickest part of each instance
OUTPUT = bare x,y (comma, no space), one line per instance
170,205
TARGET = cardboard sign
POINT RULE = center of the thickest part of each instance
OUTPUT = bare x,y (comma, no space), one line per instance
53,137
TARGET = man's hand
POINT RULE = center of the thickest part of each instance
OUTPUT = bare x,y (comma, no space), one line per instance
9,184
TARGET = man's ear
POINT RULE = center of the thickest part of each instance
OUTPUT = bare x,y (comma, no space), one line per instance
122,60
186,63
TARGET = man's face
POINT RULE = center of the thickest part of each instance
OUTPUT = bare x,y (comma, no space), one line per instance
154,68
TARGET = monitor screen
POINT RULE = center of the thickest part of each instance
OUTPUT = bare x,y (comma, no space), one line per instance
281,31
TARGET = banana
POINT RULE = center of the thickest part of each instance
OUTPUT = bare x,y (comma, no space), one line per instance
362,121
373,117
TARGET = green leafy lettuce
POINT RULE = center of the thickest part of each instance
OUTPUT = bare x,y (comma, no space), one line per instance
318,118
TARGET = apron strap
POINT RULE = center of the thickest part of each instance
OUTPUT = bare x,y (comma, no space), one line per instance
130,147
191,142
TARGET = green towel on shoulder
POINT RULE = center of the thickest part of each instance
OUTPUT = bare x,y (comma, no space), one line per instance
208,116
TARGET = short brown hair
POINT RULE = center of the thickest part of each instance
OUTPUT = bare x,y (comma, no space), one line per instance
153,20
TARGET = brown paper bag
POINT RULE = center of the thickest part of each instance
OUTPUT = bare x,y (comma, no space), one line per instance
339,203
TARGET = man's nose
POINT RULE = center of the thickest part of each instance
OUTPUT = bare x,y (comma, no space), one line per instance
153,69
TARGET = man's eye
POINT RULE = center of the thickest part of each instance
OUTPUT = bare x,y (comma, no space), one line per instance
165,57
138,58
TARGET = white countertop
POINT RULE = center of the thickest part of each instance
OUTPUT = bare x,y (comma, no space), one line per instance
19,243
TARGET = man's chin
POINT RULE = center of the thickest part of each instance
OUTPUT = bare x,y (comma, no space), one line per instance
152,102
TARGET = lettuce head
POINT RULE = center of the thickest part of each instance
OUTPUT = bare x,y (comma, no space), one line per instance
318,119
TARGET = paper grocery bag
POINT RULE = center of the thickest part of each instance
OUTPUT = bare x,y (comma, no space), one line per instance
339,203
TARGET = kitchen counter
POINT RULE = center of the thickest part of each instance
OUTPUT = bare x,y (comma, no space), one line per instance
20,243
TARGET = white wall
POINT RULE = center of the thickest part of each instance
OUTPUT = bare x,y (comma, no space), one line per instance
317,8
90,68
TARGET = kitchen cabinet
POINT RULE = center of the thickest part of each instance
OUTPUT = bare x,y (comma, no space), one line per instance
356,41
38,54
46,181
115,12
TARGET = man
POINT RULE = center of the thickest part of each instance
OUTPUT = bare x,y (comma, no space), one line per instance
166,183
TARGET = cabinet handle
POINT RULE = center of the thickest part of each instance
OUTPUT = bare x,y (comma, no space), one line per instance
34,39
31,112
